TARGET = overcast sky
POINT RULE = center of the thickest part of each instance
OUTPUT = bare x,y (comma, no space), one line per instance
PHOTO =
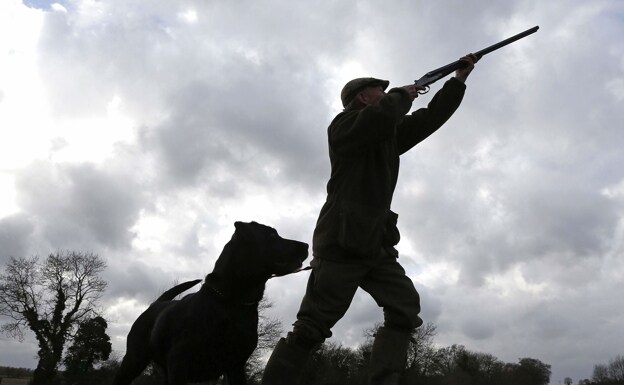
141,130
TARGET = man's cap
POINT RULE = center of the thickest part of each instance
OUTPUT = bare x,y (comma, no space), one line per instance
351,89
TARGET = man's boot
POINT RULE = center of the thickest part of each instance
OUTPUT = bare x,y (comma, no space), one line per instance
388,357
286,363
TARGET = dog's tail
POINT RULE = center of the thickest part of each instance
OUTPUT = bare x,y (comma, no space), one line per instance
174,291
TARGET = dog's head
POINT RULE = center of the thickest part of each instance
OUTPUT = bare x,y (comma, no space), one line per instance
257,251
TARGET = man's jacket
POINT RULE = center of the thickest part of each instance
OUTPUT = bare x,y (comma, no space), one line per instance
364,149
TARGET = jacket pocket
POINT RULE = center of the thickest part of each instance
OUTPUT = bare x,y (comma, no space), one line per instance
361,228
391,235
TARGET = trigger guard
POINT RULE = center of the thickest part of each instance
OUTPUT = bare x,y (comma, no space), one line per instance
422,92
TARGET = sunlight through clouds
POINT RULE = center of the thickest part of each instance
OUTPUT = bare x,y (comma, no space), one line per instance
23,134
94,139
512,284
190,16
8,205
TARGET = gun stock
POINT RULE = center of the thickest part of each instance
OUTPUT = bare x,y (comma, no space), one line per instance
438,73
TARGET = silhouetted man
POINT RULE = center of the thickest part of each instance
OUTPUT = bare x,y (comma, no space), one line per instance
355,235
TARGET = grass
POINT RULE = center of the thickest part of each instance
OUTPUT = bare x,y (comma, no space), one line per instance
14,381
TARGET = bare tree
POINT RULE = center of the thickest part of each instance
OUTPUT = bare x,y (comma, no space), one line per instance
334,363
422,355
269,332
601,373
448,359
616,369
50,298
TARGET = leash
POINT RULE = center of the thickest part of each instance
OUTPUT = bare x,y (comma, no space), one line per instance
253,303
292,272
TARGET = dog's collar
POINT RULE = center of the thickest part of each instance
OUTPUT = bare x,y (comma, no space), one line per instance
222,296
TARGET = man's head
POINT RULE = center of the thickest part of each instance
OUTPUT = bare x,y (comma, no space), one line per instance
363,91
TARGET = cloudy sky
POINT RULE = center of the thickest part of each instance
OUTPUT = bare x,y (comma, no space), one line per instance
141,130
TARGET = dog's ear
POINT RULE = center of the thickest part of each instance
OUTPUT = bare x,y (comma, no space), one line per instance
243,225
250,229
241,229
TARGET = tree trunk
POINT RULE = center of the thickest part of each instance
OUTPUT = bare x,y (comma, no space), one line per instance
47,367
45,373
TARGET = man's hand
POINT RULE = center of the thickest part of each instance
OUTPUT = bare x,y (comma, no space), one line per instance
462,73
412,90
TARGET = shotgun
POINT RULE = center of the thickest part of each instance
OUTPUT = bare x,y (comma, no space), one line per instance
438,73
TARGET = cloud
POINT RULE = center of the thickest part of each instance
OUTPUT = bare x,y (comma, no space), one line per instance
149,129
79,205
15,234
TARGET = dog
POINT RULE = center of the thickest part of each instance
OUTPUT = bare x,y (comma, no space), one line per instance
212,332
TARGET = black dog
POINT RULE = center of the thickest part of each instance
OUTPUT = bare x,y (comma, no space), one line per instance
214,331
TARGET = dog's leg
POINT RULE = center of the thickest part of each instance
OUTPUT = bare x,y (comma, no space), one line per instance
176,373
236,376
130,368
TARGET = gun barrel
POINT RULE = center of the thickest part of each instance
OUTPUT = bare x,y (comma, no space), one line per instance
503,43
438,73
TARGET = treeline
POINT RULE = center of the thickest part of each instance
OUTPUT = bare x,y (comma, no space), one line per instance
608,374
336,364
426,364
9,372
